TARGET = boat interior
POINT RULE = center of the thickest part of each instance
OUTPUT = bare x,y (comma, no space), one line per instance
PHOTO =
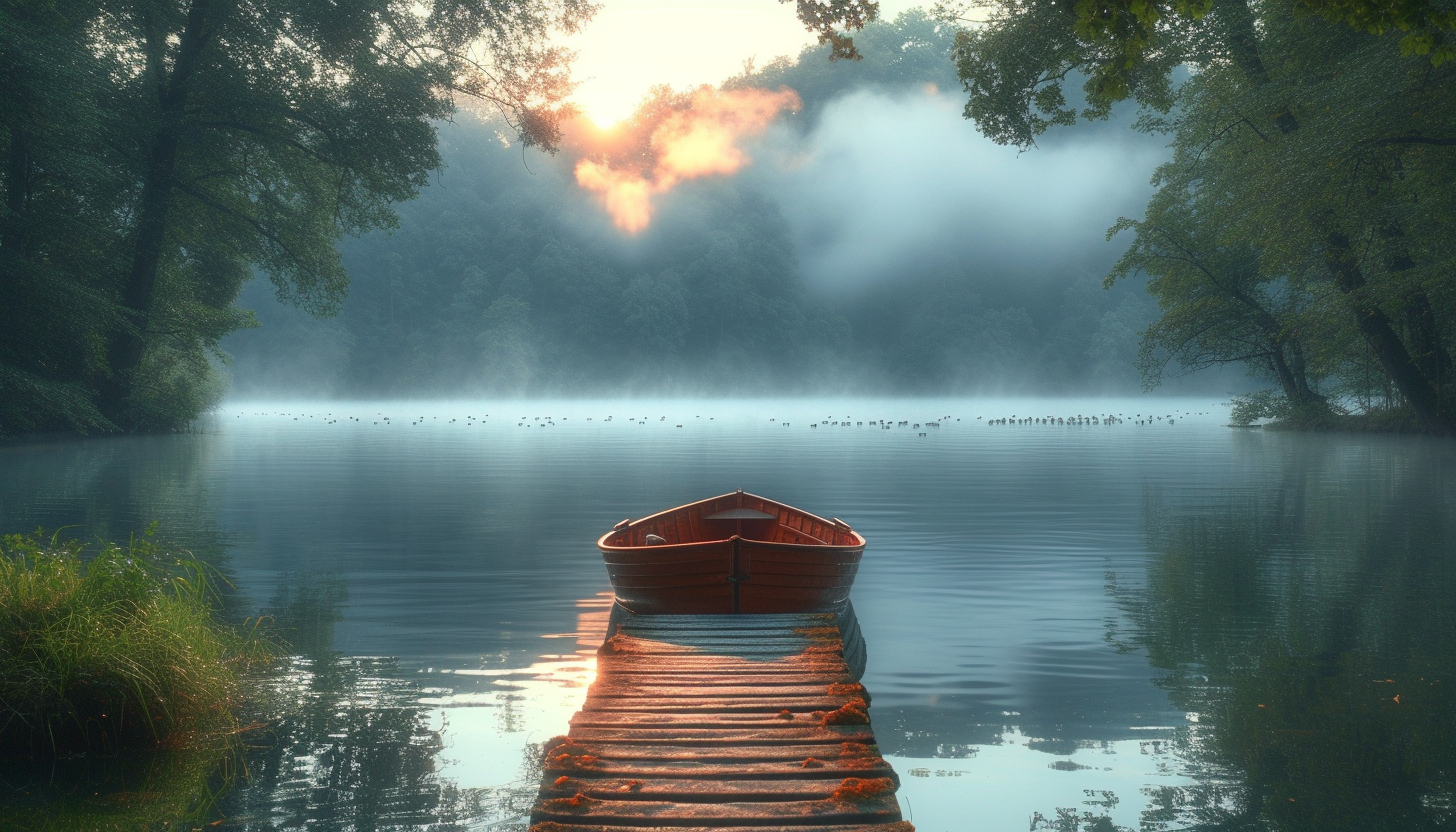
724,518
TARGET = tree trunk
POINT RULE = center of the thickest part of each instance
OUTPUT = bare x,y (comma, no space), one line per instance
17,191
1425,341
1287,382
1242,39
129,342
13,253
1287,359
1375,326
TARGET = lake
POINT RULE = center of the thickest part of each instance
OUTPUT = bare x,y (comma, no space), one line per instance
1153,622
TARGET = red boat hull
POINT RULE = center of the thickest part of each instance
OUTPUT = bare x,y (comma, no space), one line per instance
737,553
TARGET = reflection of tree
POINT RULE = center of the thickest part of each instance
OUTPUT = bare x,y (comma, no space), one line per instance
110,489
1311,627
349,745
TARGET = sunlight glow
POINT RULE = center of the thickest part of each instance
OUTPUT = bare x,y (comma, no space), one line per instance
697,142
634,45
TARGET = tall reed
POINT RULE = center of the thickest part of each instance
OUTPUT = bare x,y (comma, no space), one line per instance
113,651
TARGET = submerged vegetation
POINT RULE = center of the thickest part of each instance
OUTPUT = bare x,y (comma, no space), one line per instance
116,651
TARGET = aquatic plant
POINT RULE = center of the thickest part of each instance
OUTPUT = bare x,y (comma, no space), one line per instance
116,651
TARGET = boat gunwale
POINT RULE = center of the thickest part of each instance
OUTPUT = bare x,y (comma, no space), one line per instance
605,547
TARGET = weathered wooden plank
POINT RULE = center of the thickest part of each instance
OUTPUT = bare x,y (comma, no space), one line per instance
759,721
744,625
743,737
554,826
716,703
670,813
718,646
678,790
837,767
610,687
744,681
785,648
776,619
702,662
604,750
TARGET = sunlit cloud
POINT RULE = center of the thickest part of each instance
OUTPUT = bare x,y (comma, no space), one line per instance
703,140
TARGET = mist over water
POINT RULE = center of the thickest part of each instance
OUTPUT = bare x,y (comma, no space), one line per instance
884,187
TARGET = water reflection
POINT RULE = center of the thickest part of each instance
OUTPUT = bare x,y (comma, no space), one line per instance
163,790
1310,628
1022,591
357,744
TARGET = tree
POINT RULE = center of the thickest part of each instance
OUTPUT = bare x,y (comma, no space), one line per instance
1318,140
254,135
827,17
63,187
1218,305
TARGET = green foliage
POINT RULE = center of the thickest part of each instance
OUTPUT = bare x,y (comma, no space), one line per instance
1298,229
119,650
156,154
826,18
1261,404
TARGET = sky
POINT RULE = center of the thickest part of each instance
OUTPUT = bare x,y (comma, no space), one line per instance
632,45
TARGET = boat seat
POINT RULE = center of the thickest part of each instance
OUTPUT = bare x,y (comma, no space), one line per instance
793,532
741,514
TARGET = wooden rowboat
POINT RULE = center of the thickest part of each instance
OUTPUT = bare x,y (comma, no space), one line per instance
736,553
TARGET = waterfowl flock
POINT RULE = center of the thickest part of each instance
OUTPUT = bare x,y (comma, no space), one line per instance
1048,420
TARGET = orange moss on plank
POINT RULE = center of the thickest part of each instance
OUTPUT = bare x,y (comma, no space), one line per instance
850,689
834,647
859,788
811,762
785,714
855,749
561,781
576,803
569,762
853,712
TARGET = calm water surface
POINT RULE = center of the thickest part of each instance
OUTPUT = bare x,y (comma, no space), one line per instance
1172,625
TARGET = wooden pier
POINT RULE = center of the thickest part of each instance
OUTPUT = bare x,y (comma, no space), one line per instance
722,722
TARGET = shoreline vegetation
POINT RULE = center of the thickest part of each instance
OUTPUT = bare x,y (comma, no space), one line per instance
1253,409
115,650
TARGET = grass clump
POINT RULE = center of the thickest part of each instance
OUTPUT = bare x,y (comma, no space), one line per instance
112,652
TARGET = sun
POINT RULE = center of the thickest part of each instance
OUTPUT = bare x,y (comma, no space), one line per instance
633,45
603,106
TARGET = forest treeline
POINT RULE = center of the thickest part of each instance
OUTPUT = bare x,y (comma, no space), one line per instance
504,279
159,156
